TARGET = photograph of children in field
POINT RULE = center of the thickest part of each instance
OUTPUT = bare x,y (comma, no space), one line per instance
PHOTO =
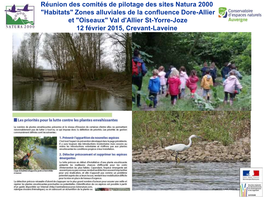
197,71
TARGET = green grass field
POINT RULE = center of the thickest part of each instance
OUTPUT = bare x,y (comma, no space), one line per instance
163,128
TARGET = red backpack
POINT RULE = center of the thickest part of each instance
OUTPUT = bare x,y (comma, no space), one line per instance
136,68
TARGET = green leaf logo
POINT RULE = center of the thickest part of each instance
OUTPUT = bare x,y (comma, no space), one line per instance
222,11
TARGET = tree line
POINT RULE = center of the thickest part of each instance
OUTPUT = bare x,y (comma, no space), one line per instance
74,53
191,49
28,144
26,58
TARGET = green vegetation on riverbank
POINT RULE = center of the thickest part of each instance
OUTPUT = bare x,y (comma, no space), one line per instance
161,129
18,163
28,144
25,145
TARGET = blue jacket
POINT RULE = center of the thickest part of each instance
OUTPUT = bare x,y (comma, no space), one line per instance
144,68
225,71
203,70
168,73
154,84
213,73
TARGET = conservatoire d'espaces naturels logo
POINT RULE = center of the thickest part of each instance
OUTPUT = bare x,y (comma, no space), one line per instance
21,16
222,12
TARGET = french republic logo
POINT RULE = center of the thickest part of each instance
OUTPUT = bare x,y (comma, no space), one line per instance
222,12
20,16
254,173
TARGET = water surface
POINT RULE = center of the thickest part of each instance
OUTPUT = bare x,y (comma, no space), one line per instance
47,159
186,176
60,96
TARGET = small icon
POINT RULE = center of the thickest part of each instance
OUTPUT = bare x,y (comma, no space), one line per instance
243,190
20,15
222,12
256,172
13,9
246,172
25,9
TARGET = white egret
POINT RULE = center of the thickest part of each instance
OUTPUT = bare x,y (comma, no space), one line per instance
181,147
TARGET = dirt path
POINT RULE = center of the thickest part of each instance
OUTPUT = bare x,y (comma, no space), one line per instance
199,92
145,107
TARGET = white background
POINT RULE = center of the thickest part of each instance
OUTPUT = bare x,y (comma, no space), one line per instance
195,24
124,119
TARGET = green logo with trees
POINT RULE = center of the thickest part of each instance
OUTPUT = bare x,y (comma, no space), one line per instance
222,12
20,15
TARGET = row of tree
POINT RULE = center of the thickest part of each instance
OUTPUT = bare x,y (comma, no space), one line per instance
49,141
28,144
191,49
25,143
74,53
25,60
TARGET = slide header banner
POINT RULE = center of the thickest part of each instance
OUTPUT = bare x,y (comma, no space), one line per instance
131,16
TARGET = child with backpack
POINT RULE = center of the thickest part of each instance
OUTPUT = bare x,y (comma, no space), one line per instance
237,74
230,86
183,79
207,82
138,71
154,87
162,78
174,85
191,83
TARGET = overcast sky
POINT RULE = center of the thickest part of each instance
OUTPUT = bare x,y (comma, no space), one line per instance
107,50
17,39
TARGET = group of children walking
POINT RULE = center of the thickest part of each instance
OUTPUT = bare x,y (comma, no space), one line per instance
177,81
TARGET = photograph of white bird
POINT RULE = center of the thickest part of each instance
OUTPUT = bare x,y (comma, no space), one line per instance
180,147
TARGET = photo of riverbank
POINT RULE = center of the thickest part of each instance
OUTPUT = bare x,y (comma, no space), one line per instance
211,162
35,153
71,71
